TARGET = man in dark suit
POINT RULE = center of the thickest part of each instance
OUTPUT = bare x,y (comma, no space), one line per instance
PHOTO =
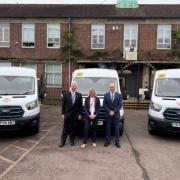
112,104
71,110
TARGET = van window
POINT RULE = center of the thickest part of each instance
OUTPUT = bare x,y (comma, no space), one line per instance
100,84
16,85
168,87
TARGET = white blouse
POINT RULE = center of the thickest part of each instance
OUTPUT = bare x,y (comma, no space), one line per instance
92,105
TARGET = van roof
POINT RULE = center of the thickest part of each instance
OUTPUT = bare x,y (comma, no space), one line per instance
17,71
168,73
95,72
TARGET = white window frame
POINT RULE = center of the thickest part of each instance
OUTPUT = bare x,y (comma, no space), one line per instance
23,26
54,86
4,27
131,27
98,27
48,25
164,28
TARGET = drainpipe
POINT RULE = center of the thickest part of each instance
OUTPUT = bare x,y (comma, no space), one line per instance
69,54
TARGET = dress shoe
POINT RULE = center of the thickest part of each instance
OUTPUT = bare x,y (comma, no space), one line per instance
61,145
106,144
118,145
72,143
83,146
94,144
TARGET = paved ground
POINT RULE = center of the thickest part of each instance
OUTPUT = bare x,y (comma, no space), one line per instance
141,157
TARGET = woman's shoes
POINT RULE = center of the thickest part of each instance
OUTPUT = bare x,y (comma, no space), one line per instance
83,146
94,144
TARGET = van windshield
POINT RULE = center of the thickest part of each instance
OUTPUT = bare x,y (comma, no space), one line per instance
100,84
168,87
16,85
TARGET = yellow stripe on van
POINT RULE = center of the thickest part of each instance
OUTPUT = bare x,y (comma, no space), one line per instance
161,76
79,74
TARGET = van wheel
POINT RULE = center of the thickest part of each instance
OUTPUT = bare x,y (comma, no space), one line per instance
150,129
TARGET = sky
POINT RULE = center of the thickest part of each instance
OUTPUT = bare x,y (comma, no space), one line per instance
85,1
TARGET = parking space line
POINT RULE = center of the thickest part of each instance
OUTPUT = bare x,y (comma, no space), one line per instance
18,147
7,147
25,154
7,160
33,141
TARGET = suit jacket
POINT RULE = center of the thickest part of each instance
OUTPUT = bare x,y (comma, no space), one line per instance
112,106
68,108
87,106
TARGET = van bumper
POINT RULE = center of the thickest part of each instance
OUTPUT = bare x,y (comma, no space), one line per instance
30,122
158,124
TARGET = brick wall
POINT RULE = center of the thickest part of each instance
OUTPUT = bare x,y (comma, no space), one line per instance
147,37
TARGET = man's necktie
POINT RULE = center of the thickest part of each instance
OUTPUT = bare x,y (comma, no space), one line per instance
73,97
112,97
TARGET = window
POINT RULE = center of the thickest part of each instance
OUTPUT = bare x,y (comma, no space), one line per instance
28,35
130,36
53,35
29,65
97,36
164,37
4,35
53,74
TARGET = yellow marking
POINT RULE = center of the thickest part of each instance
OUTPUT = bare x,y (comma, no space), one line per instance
79,74
161,76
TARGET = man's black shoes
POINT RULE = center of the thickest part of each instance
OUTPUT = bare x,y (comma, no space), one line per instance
61,145
72,143
118,145
106,144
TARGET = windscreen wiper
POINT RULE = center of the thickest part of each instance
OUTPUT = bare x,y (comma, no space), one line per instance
28,93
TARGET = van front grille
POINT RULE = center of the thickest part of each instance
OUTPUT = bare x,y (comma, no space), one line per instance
172,114
11,112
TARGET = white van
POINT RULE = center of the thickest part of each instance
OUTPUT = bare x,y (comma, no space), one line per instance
164,110
19,107
99,79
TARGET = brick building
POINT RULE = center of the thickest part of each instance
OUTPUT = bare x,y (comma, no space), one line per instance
136,42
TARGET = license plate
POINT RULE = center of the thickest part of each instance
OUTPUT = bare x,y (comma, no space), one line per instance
176,125
100,123
7,123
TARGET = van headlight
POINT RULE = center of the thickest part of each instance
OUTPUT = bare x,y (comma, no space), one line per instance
155,107
32,105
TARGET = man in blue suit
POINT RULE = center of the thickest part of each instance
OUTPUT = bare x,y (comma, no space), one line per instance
112,104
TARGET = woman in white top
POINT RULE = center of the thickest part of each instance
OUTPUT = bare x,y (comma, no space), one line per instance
91,106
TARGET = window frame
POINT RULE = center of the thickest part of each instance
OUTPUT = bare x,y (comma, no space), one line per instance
98,27
59,36
3,34
22,29
54,86
164,27
131,26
